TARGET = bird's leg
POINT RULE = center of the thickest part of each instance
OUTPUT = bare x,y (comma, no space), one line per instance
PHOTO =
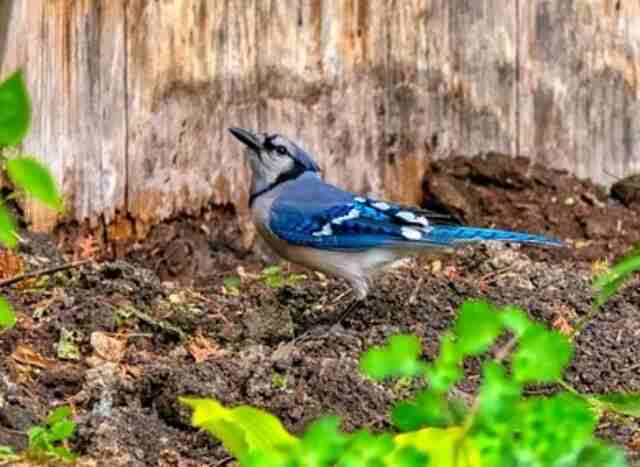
360,286
350,308
360,289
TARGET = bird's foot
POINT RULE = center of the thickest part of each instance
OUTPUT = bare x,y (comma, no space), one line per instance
332,325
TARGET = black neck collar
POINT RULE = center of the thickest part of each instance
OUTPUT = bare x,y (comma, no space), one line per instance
292,174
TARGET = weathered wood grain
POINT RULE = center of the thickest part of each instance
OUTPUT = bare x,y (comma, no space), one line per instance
579,92
74,56
132,99
5,15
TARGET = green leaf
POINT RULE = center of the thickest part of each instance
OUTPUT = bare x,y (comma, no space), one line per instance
515,320
609,282
270,458
62,430
7,316
407,456
541,356
62,453
365,449
445,370
498,399
66,347
231,282
445,447
7,454
397,359
59,414
477,326
271,271
241,429
323,443
6,450
598,454
622,403
34,178
7,228
430,408
37,436
15,110
554,427
609,288
441,377
293,279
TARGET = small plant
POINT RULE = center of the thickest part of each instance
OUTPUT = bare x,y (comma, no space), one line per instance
46,441
232,285
611,280
502,427
274,277
8,455
25,172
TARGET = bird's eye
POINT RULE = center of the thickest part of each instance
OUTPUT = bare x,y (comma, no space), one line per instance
281,150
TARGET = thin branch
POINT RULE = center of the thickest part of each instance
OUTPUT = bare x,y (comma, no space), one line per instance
43,272
499,357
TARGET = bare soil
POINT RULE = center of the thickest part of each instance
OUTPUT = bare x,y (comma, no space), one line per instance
161,324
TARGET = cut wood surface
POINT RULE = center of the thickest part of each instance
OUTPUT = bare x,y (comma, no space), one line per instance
132,99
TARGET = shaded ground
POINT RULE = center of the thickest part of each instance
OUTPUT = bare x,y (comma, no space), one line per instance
120,345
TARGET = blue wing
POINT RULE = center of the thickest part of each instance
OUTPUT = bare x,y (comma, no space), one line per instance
313,213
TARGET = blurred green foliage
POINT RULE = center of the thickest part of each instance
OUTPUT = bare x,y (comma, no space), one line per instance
26,173
274,277
609,282
500,427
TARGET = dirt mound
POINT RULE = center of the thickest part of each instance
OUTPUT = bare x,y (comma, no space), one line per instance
498,190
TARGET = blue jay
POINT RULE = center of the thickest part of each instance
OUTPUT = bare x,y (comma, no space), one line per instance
317,225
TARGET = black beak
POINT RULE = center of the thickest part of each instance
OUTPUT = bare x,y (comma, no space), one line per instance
248,138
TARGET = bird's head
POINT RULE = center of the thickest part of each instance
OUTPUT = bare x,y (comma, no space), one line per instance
273,158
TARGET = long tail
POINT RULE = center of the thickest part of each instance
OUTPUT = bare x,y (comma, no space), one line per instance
454,235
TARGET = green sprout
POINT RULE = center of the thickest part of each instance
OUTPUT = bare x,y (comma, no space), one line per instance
274,277
46,442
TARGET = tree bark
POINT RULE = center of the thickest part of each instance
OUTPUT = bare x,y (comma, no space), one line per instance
5,18
132,100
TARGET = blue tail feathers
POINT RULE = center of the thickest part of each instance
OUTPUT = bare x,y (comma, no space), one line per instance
452,235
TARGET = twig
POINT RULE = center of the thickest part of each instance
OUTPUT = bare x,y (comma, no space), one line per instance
224,461
414,294
499,357
43,272
15,432
217,312
494,274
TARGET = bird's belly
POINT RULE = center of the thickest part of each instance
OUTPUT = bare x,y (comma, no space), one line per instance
353,266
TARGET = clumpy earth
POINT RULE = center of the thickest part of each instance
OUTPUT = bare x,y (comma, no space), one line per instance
190,313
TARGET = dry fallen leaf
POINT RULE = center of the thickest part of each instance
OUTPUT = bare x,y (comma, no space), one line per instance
28,356
10,264
634,443
135,371
107,347
451,272
202,348
562,320
85,247
561,325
